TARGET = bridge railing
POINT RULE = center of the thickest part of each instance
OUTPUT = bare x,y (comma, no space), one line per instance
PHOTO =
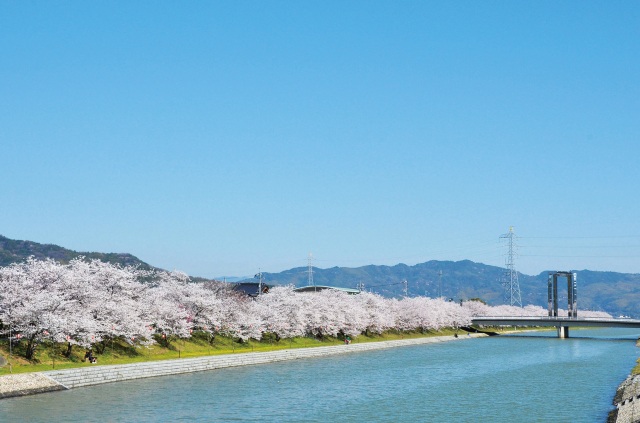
554,318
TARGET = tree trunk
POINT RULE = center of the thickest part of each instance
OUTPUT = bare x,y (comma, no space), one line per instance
100,346
31,347
68,352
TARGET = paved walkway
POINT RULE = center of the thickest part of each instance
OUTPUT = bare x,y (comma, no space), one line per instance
27,384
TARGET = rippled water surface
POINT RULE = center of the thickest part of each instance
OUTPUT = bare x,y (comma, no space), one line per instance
499,379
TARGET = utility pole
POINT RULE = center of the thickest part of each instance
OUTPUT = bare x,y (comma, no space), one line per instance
510,281
10,349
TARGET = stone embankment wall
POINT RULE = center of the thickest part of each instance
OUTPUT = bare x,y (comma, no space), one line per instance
627,402
95,374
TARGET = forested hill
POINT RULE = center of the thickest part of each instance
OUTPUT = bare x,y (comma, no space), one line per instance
616,293
463,279
12,251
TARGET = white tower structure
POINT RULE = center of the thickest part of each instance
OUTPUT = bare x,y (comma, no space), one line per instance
310,271
510,280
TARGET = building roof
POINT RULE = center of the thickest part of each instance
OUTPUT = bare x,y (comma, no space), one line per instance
251,289
316,288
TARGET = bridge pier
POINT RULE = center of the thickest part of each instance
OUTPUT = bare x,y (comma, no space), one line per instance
563,332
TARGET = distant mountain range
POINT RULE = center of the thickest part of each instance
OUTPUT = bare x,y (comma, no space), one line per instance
616,293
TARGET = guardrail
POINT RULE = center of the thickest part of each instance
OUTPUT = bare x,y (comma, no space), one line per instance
558,318
554,321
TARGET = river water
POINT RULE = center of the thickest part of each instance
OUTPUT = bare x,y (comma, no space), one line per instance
535,378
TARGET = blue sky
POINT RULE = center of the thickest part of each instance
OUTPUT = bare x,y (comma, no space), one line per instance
223,138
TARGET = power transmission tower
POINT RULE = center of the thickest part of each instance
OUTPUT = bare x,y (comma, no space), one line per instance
310,271
405,288
510,281
439,283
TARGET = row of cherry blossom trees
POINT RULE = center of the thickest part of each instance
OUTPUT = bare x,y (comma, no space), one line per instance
89,303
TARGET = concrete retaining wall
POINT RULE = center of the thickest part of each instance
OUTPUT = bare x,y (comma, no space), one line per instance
94,374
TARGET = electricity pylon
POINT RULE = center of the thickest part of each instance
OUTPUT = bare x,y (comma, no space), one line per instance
510,281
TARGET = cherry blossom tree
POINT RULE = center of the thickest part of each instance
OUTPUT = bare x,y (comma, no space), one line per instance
205,308
110,302
167,306
379,313
281,312
31,301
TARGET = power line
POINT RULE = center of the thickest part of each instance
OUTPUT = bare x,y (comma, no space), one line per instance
578,256
481,247
580,246
581,237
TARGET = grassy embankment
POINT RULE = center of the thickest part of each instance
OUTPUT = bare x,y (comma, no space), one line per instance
50,356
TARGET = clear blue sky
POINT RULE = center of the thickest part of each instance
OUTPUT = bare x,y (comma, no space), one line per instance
220,138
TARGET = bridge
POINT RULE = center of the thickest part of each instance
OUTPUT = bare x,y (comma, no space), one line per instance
562,323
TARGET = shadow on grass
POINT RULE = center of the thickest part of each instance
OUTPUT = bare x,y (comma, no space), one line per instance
118,351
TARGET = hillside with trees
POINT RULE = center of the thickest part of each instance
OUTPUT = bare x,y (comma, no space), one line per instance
15,251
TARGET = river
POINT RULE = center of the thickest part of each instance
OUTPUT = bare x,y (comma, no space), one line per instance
533,378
